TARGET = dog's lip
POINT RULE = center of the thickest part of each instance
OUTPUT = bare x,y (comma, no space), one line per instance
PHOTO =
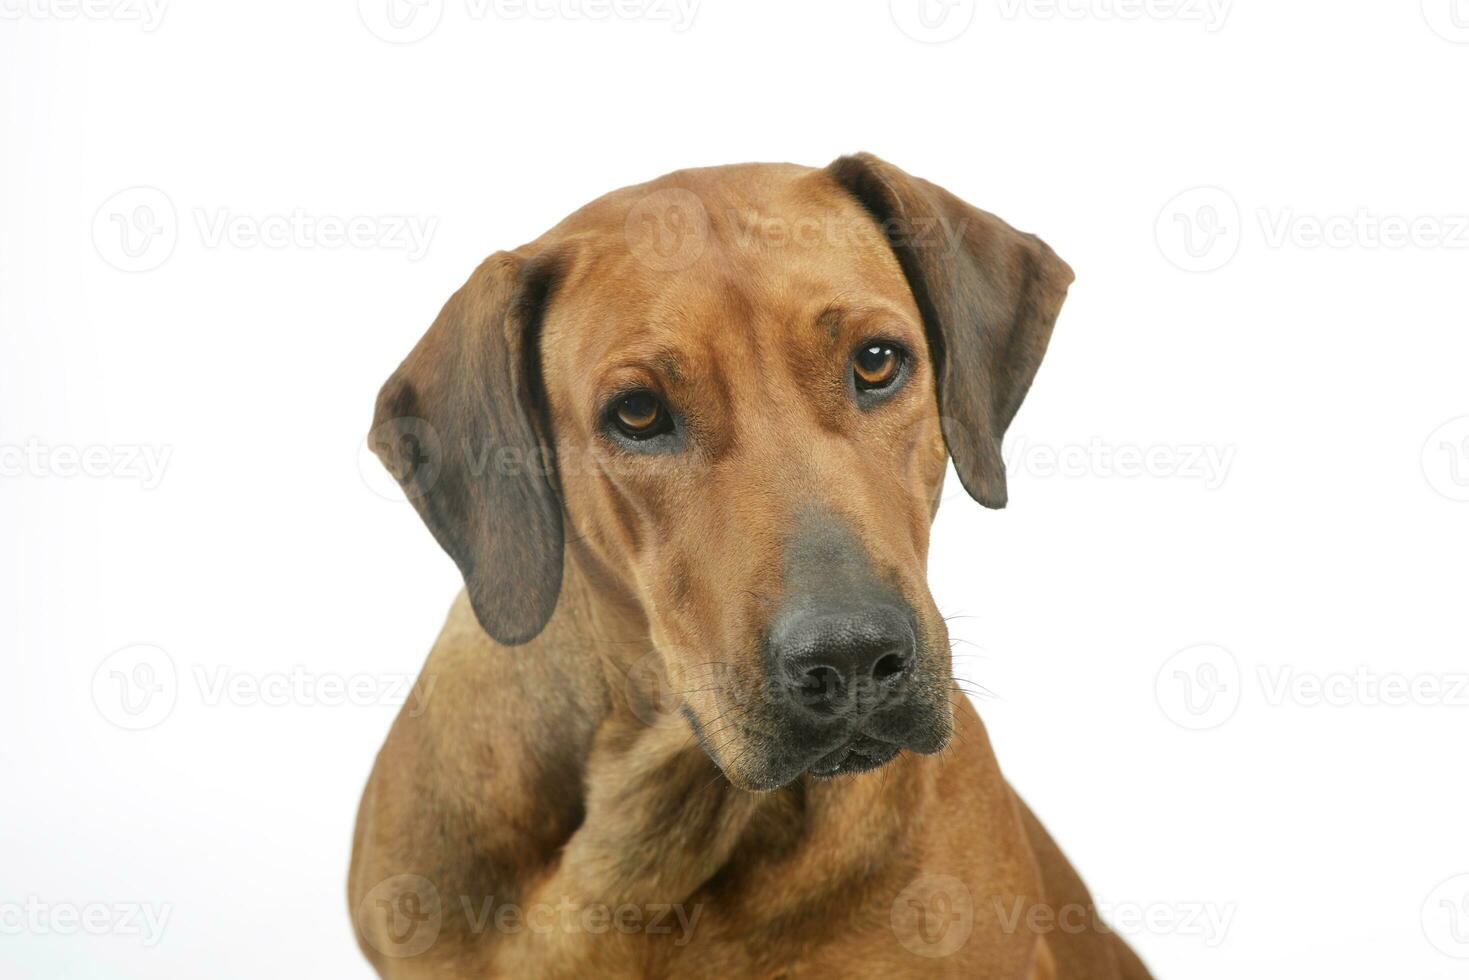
831,762
858,753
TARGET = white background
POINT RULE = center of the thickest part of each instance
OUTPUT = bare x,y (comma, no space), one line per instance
1323,546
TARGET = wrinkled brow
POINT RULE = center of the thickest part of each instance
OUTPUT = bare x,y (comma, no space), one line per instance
660,360
838,318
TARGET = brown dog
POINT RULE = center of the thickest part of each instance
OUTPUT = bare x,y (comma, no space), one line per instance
694,715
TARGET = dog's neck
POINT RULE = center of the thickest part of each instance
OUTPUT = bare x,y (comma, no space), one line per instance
553,792
659,818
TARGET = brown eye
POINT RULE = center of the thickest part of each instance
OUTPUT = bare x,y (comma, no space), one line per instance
875,365
640,415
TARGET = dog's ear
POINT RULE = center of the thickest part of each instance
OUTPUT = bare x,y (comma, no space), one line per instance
989,296
462,426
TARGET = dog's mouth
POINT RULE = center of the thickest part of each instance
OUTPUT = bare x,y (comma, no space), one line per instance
762,751
861,754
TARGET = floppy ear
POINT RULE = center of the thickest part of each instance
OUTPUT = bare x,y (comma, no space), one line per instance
461,426
989,296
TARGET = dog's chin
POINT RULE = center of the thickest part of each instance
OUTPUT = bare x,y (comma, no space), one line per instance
758,762
859,754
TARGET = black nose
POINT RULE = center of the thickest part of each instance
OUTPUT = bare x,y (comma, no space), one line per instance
844,661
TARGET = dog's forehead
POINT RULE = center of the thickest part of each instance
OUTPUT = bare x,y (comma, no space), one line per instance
710,258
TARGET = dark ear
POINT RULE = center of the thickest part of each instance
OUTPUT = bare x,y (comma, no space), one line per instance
461,425
989,296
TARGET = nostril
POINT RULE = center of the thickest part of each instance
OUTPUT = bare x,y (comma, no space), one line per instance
889,665
819,687
820,680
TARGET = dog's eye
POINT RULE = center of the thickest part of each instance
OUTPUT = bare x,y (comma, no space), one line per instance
875,365
640,415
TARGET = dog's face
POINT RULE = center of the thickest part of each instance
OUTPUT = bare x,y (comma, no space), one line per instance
750,441
738,388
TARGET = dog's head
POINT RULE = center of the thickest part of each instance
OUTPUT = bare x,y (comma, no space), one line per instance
730,394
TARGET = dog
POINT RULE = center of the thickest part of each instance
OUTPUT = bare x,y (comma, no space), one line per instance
693,714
